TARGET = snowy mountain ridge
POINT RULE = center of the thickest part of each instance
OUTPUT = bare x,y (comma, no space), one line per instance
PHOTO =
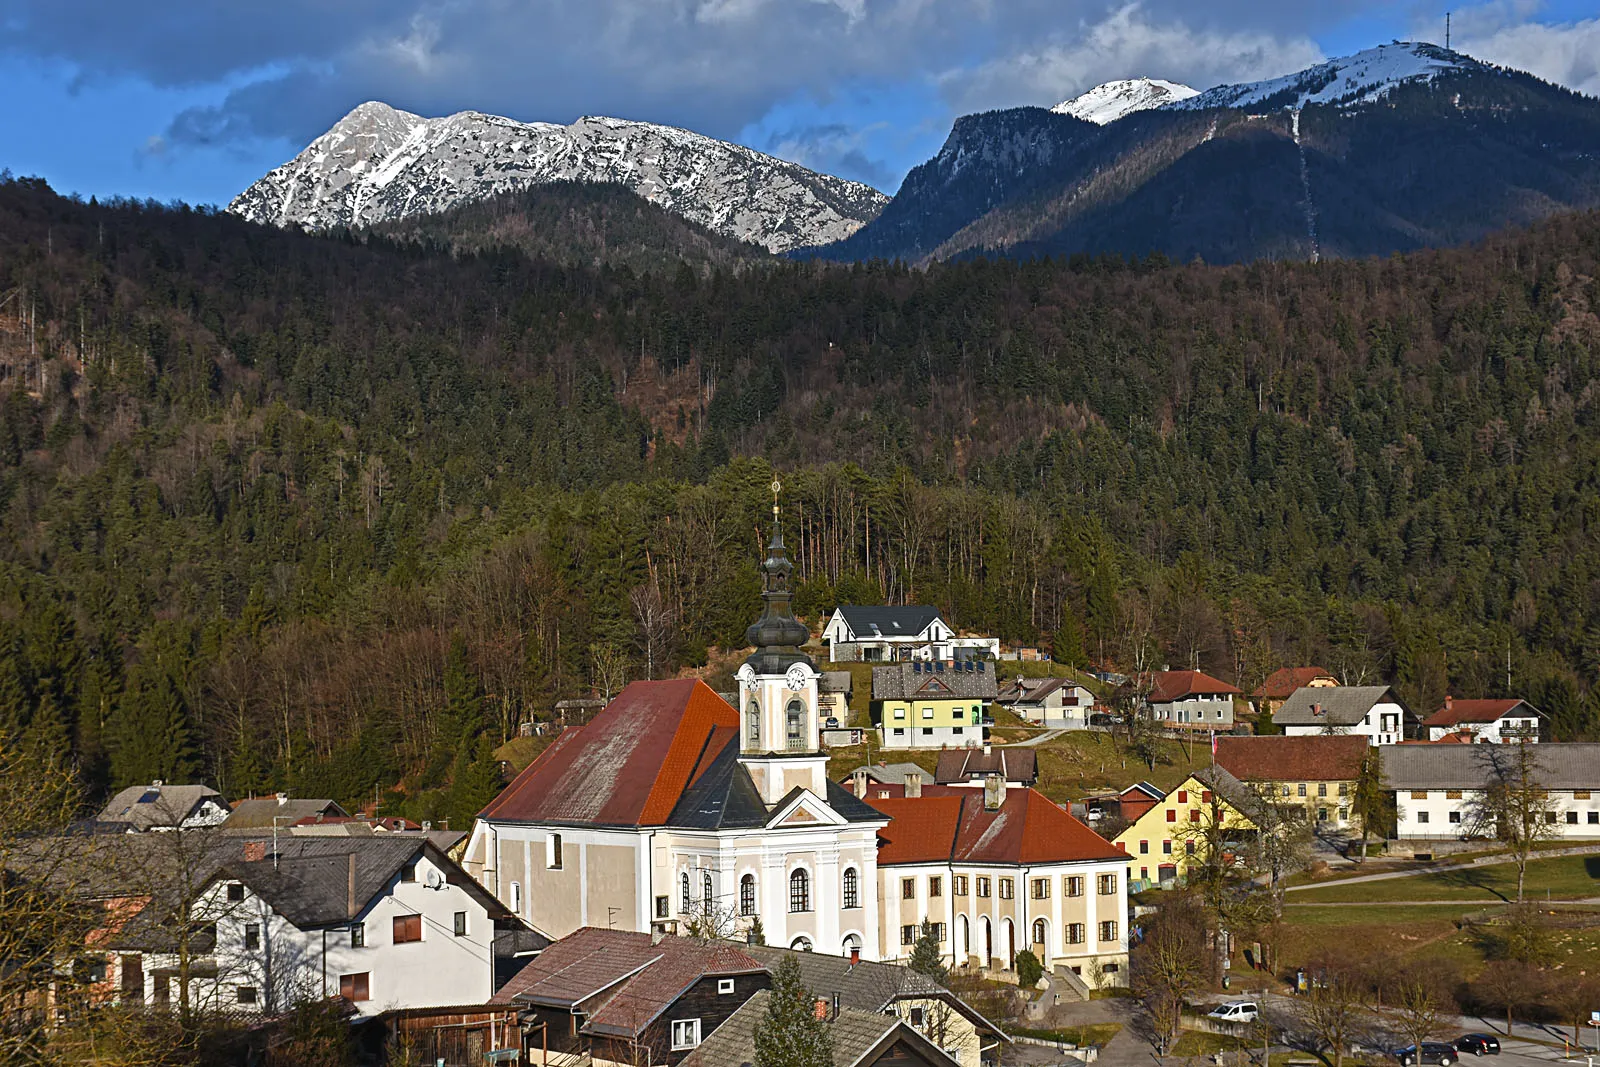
1114,99
1362,78
379,163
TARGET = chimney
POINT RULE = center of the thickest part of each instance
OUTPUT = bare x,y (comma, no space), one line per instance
994,792
855,956
834,1005
913,785
858,783
986,748
157,784
821,1010
1449,701
1316,709
350,892
255,851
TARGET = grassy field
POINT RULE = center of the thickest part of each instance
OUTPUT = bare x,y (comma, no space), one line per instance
1082,1036
1559,878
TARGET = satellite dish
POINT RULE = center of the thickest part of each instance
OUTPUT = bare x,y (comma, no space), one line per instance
433,880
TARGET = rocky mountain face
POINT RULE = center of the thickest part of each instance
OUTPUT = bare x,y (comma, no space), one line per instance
1109,102
1395,148
379,164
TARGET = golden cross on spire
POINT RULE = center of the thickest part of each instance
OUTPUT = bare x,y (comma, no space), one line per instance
776,487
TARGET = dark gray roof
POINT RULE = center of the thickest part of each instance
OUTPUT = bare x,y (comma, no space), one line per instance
258,814
1342,705
891,773
1556,766
934,681
1243,799
140,807
836,682
726,797
857,1037
867,623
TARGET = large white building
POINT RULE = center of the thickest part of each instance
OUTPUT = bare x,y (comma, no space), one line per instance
855,634
1373,711
1490,722
671,810
1439,790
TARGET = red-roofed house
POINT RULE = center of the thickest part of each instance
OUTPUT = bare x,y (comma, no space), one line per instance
1192,700
1281,684
999,871
1485,721
1319,770
671,807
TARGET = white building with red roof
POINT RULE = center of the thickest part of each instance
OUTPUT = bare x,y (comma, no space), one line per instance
672,810
1485,721
1192,700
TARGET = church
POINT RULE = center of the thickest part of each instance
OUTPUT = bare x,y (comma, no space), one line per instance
674,812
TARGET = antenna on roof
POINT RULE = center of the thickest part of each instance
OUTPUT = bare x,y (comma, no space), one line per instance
1447,31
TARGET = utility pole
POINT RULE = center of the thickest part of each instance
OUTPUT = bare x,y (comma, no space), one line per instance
1447,31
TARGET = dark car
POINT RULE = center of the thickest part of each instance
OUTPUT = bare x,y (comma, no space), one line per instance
1478,1044
1101,719
1434,1052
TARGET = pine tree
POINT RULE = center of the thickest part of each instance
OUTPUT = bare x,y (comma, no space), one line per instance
474,782
790,1034
1067,647
150,735
925,955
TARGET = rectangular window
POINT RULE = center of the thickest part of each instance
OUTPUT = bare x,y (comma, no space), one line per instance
1422,816
1188,848
1455,816
1419,794
1194,814
516,897
358,935
1550,817
1074,885
983,887
1108,930
908,889
354,986
1594,817
1452,794
552,852
1166,847
246,994
685,1034
938,931
1075,933
1183,796
1344,814
235,892
935,886
408,873
1172,816
663,907
1205,797
1144,848
1344,789
927,713
899,713
1041,888
1572,818
960,882
1580,794
252,936
1300,789
458,924
898,732
927,731
908,934
1008,889
407,928
917,1015
1108,885
1322,789
724,986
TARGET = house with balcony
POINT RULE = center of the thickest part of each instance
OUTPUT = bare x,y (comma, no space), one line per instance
1491,722
858,634
932,704
1054,703
1191,700
1373,711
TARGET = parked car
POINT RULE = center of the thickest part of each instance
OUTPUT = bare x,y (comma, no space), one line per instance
1478,1044
1094,814
1100,718
1434,1052
831,723
1235,1011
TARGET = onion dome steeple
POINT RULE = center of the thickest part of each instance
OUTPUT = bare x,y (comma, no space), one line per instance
777,634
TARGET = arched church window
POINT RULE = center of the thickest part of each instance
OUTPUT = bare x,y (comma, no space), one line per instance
796,718
707,893
852,889
685,908
752,724
799,890
1038,931
747,895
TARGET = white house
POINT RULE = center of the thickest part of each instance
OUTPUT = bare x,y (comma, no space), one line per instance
1373,711
386,922
671,808
1054,703
1192,700
1485,721
159,806
887,634
1439,789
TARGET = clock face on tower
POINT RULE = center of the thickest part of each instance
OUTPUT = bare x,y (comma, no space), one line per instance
796,678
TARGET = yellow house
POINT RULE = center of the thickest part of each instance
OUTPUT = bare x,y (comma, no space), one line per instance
1166,840
932,704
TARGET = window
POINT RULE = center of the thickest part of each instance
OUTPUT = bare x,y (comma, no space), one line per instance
458,924
663,907
1322,814
1110,968
794,719
1108,885
1008,889
898,732
1452,794
235,892
908,889
899,713
1344,814
1194,814
1038,931
935,886
408,873
252,936
685,1034
1422,816
724,986
752,725
1188,848
1108,930
1300,790
1549,816
1594,817
1419,794
1285,791
1205,797
1455,816
747,892
917,1016
552,852
1183,796
407,928
960,883
1074,885
1572,818
938,931
245,994
1040,888
1166,847
684,888
799,890
1172,815
354,986
908,934
1322,789
516,897
927,713
1344,789
1580,794
1075,933
927,731
983,887
358,935
708,895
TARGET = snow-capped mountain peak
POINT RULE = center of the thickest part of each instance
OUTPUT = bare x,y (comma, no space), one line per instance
1347,81
379,163
1109,102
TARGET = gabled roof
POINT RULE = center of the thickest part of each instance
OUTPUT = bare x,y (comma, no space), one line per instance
630,766
1177,685
1282,683
260,813
890,773
1556,766
1027,829
859,1038
141,807
965,764
1146,788
1456,712
870,623
961,680
1320,757
1342,705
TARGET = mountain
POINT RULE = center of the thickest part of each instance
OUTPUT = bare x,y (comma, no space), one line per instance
1395,148
1109,102
378,164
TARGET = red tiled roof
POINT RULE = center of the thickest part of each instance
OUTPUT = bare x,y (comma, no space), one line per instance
1331,757
629,765
1456,712
1175,685
1028,828
1281,683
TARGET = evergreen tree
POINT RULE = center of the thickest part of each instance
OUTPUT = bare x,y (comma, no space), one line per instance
790,1034
1067,647
925,955
474,782
150,735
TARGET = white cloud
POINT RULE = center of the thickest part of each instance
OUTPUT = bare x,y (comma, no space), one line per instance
1567,53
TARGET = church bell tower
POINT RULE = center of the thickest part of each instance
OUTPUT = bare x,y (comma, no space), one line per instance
780,740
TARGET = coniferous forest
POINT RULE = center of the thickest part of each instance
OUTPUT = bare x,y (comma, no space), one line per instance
333,514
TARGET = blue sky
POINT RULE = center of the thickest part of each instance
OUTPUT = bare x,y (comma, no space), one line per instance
172,100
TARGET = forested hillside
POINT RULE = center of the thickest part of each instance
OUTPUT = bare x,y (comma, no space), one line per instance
284,511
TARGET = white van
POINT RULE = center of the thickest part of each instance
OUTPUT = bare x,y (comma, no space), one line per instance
1235,1011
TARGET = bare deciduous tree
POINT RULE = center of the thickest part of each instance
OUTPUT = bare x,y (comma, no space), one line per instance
655,622
1332,1009
1513,806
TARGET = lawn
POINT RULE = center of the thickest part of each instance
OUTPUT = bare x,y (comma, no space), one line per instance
1560,878
1082,1036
